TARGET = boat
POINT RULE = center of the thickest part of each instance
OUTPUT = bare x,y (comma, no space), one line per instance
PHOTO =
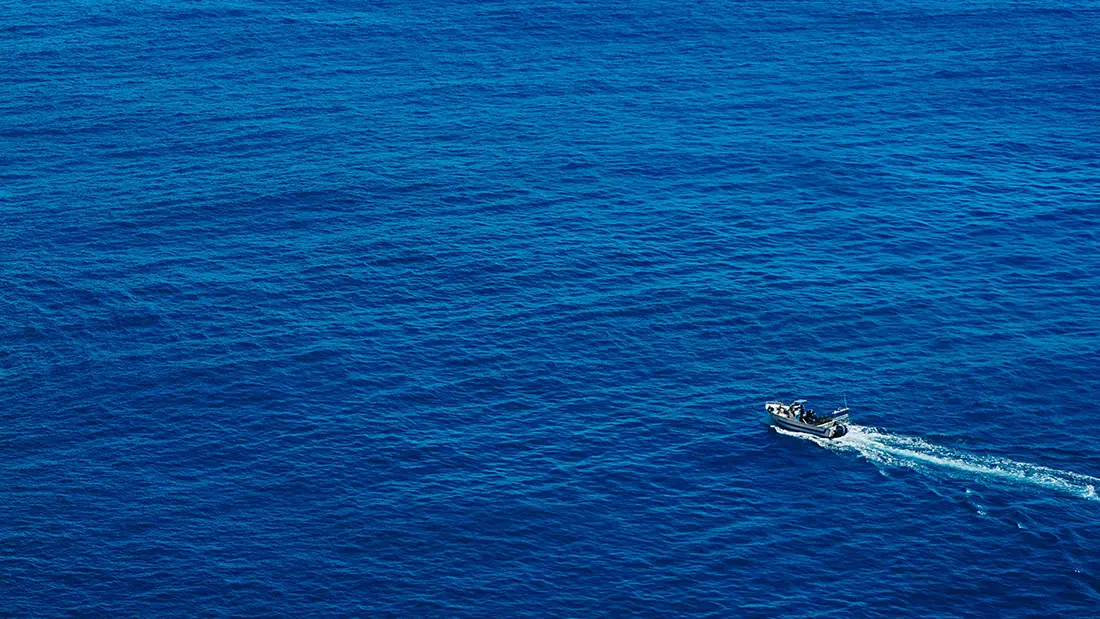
797,418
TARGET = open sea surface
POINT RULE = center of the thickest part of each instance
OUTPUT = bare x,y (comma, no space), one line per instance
470,308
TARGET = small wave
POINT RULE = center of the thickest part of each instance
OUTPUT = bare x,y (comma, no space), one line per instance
892,450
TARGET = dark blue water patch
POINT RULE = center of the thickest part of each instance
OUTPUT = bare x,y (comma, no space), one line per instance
470,310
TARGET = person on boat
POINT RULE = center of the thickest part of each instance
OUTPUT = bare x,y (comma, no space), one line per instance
802,413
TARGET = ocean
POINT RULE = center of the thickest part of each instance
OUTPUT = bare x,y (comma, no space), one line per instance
471,309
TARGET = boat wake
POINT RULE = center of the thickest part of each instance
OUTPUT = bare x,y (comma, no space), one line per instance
891,450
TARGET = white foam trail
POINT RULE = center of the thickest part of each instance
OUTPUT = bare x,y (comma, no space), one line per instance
885,449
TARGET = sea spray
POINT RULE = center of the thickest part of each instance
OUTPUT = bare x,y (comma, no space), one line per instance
887,450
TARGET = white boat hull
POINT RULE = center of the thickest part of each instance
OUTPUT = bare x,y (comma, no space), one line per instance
830,429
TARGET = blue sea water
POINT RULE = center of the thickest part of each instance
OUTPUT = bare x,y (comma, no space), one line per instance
470,309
